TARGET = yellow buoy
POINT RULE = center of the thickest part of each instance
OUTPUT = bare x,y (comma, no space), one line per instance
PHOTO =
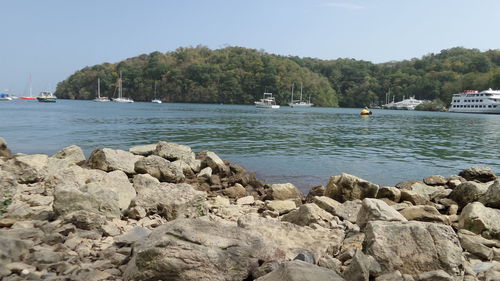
366,112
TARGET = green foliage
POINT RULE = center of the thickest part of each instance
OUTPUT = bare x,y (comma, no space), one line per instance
3,206
231,75
435,105
237,75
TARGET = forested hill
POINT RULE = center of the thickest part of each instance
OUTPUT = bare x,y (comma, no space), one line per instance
239,75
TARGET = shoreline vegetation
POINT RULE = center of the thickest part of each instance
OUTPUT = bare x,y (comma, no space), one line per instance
237,75
163,212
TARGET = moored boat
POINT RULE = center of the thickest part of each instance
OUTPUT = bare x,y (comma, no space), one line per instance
405,104
267,101
99,98
300,103
120,97
155,100
5,97
46,96
472,101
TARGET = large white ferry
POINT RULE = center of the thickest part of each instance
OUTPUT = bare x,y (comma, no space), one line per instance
471,101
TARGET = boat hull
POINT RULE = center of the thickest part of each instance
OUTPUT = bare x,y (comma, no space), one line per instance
46,99
28,98
300,105
123,100
267,106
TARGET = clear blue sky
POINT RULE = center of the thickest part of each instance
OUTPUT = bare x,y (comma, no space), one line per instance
51,39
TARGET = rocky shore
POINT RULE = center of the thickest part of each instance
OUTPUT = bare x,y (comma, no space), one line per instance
162,212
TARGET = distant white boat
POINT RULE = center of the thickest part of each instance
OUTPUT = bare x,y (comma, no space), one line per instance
267,102
46,96
155,100
471,101
300,103
5,97
99,98
405,104
120,97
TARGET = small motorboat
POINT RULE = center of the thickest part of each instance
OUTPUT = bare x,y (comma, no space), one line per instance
365,111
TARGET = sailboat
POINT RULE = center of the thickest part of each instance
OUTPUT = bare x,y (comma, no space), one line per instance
155,100
99,98
300,103
120,97
31,97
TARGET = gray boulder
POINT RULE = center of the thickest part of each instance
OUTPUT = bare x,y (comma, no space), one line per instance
144,150
13,250
212,160
477,245
376,210
435,180
73,154
281,206
173,151
435,275
491,198
478,173
361,267
160,168
308,214
422,188
481,220
390,192
414,197
4,151
205,173
109,195
294,239
301,271
235,192
468,192
198,249
348,187
69,198
170,200
424,213
348,210
283,191
108,160
413,247
27,168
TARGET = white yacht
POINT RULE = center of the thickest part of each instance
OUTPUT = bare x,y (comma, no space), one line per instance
120,97
99,98
300,103
405,104
471,101
267,102
155,100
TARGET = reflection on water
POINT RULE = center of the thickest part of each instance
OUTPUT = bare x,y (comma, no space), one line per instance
303,146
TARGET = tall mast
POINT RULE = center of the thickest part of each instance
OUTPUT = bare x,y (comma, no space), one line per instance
98,88
301,91
30,85
120,85
292,93
155,90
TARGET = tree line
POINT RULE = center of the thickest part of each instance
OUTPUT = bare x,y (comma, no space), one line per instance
237,75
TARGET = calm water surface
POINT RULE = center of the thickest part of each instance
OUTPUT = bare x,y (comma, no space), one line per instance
302,146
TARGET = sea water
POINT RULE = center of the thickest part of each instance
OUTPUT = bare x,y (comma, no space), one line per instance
304,146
